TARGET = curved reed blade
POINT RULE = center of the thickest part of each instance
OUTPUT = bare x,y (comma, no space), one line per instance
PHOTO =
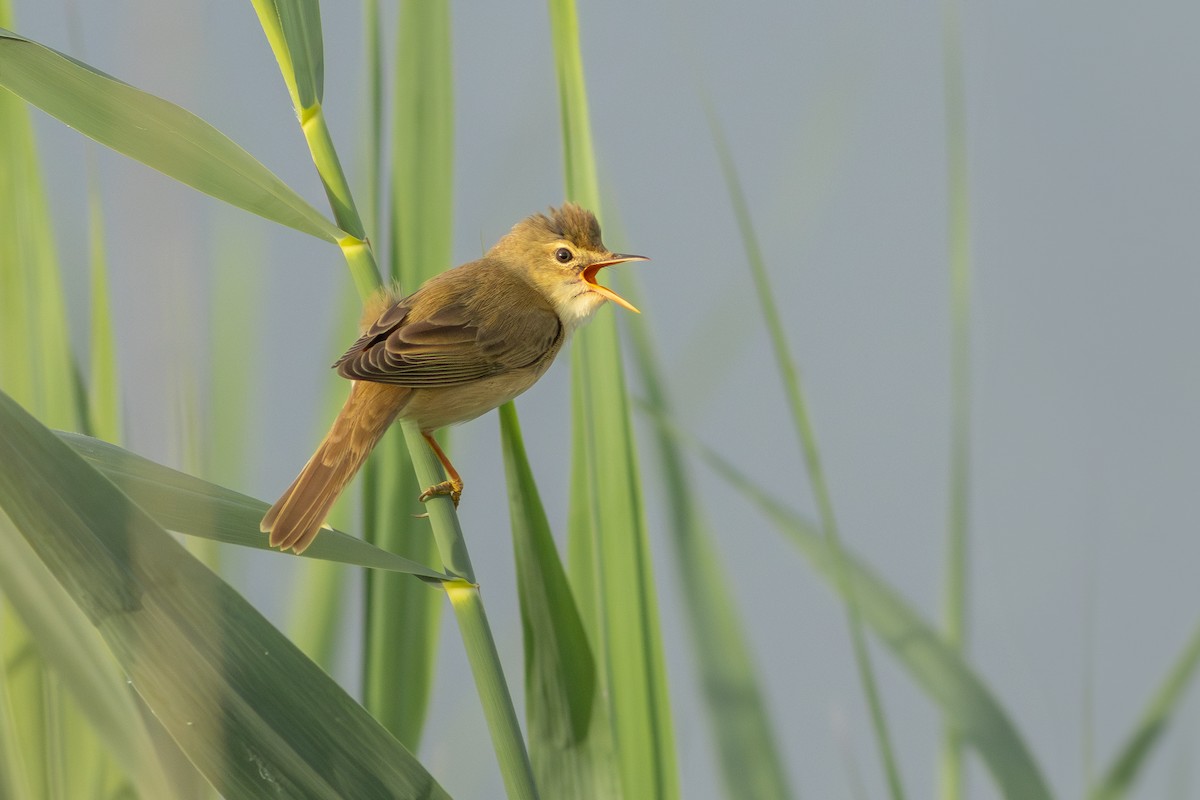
149,129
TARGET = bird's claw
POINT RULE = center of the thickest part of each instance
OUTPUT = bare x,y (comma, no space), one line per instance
451,489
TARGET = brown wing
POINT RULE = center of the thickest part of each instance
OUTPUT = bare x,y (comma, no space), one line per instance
452,346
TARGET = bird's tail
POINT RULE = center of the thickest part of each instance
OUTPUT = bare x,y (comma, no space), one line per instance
297,516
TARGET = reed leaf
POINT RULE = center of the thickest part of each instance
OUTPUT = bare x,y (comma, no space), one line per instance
151,130
32,308
37,366
570,738
958,229
1127,764
83,665
293,29
609,529
14,781
104,392
958,692
790,377
751,765
404,618
193,506
202,658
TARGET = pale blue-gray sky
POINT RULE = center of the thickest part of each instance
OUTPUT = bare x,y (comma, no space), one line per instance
1082,125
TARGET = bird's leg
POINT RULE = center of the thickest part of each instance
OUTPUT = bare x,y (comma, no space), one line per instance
453,486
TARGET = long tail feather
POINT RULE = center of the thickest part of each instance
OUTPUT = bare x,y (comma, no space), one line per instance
298,515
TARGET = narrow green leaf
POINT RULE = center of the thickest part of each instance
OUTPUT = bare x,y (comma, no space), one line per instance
613,534
958,229
790,377
373,45
293,29
104,398
14,783
960,694
570,738
196,507
26,674
151,130
423,143
1128,763
32,308
751,765
205,661
81,660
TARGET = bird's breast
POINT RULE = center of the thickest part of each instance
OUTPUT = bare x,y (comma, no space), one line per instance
433,408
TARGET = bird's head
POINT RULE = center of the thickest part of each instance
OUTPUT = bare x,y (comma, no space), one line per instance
561,254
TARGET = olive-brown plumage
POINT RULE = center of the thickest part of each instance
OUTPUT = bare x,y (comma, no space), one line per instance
467,341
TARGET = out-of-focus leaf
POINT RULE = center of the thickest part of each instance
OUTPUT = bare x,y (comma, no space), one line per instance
32,308
196,507
104,395
151,130
404,619
959,693
82,662
751,765
1128,762
256,717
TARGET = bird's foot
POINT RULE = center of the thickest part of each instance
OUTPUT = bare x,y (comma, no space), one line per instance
451,488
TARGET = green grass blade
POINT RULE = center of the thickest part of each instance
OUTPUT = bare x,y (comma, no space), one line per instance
581,537
373,44
151,130
36,365
627,641
103,389
81,660
404,618
751,765
32,309
959,693
26,674
958,227
189,505
1128,763
256,716
104,394
293,29
570,738
790,377
423,143
14,783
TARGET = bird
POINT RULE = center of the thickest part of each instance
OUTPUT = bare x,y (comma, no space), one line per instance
466,341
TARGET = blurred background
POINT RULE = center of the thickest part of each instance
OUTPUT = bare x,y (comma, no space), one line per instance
1084,189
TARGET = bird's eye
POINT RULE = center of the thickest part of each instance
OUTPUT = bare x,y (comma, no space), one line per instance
563,255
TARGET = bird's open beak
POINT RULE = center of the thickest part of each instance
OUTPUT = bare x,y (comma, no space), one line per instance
589,276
